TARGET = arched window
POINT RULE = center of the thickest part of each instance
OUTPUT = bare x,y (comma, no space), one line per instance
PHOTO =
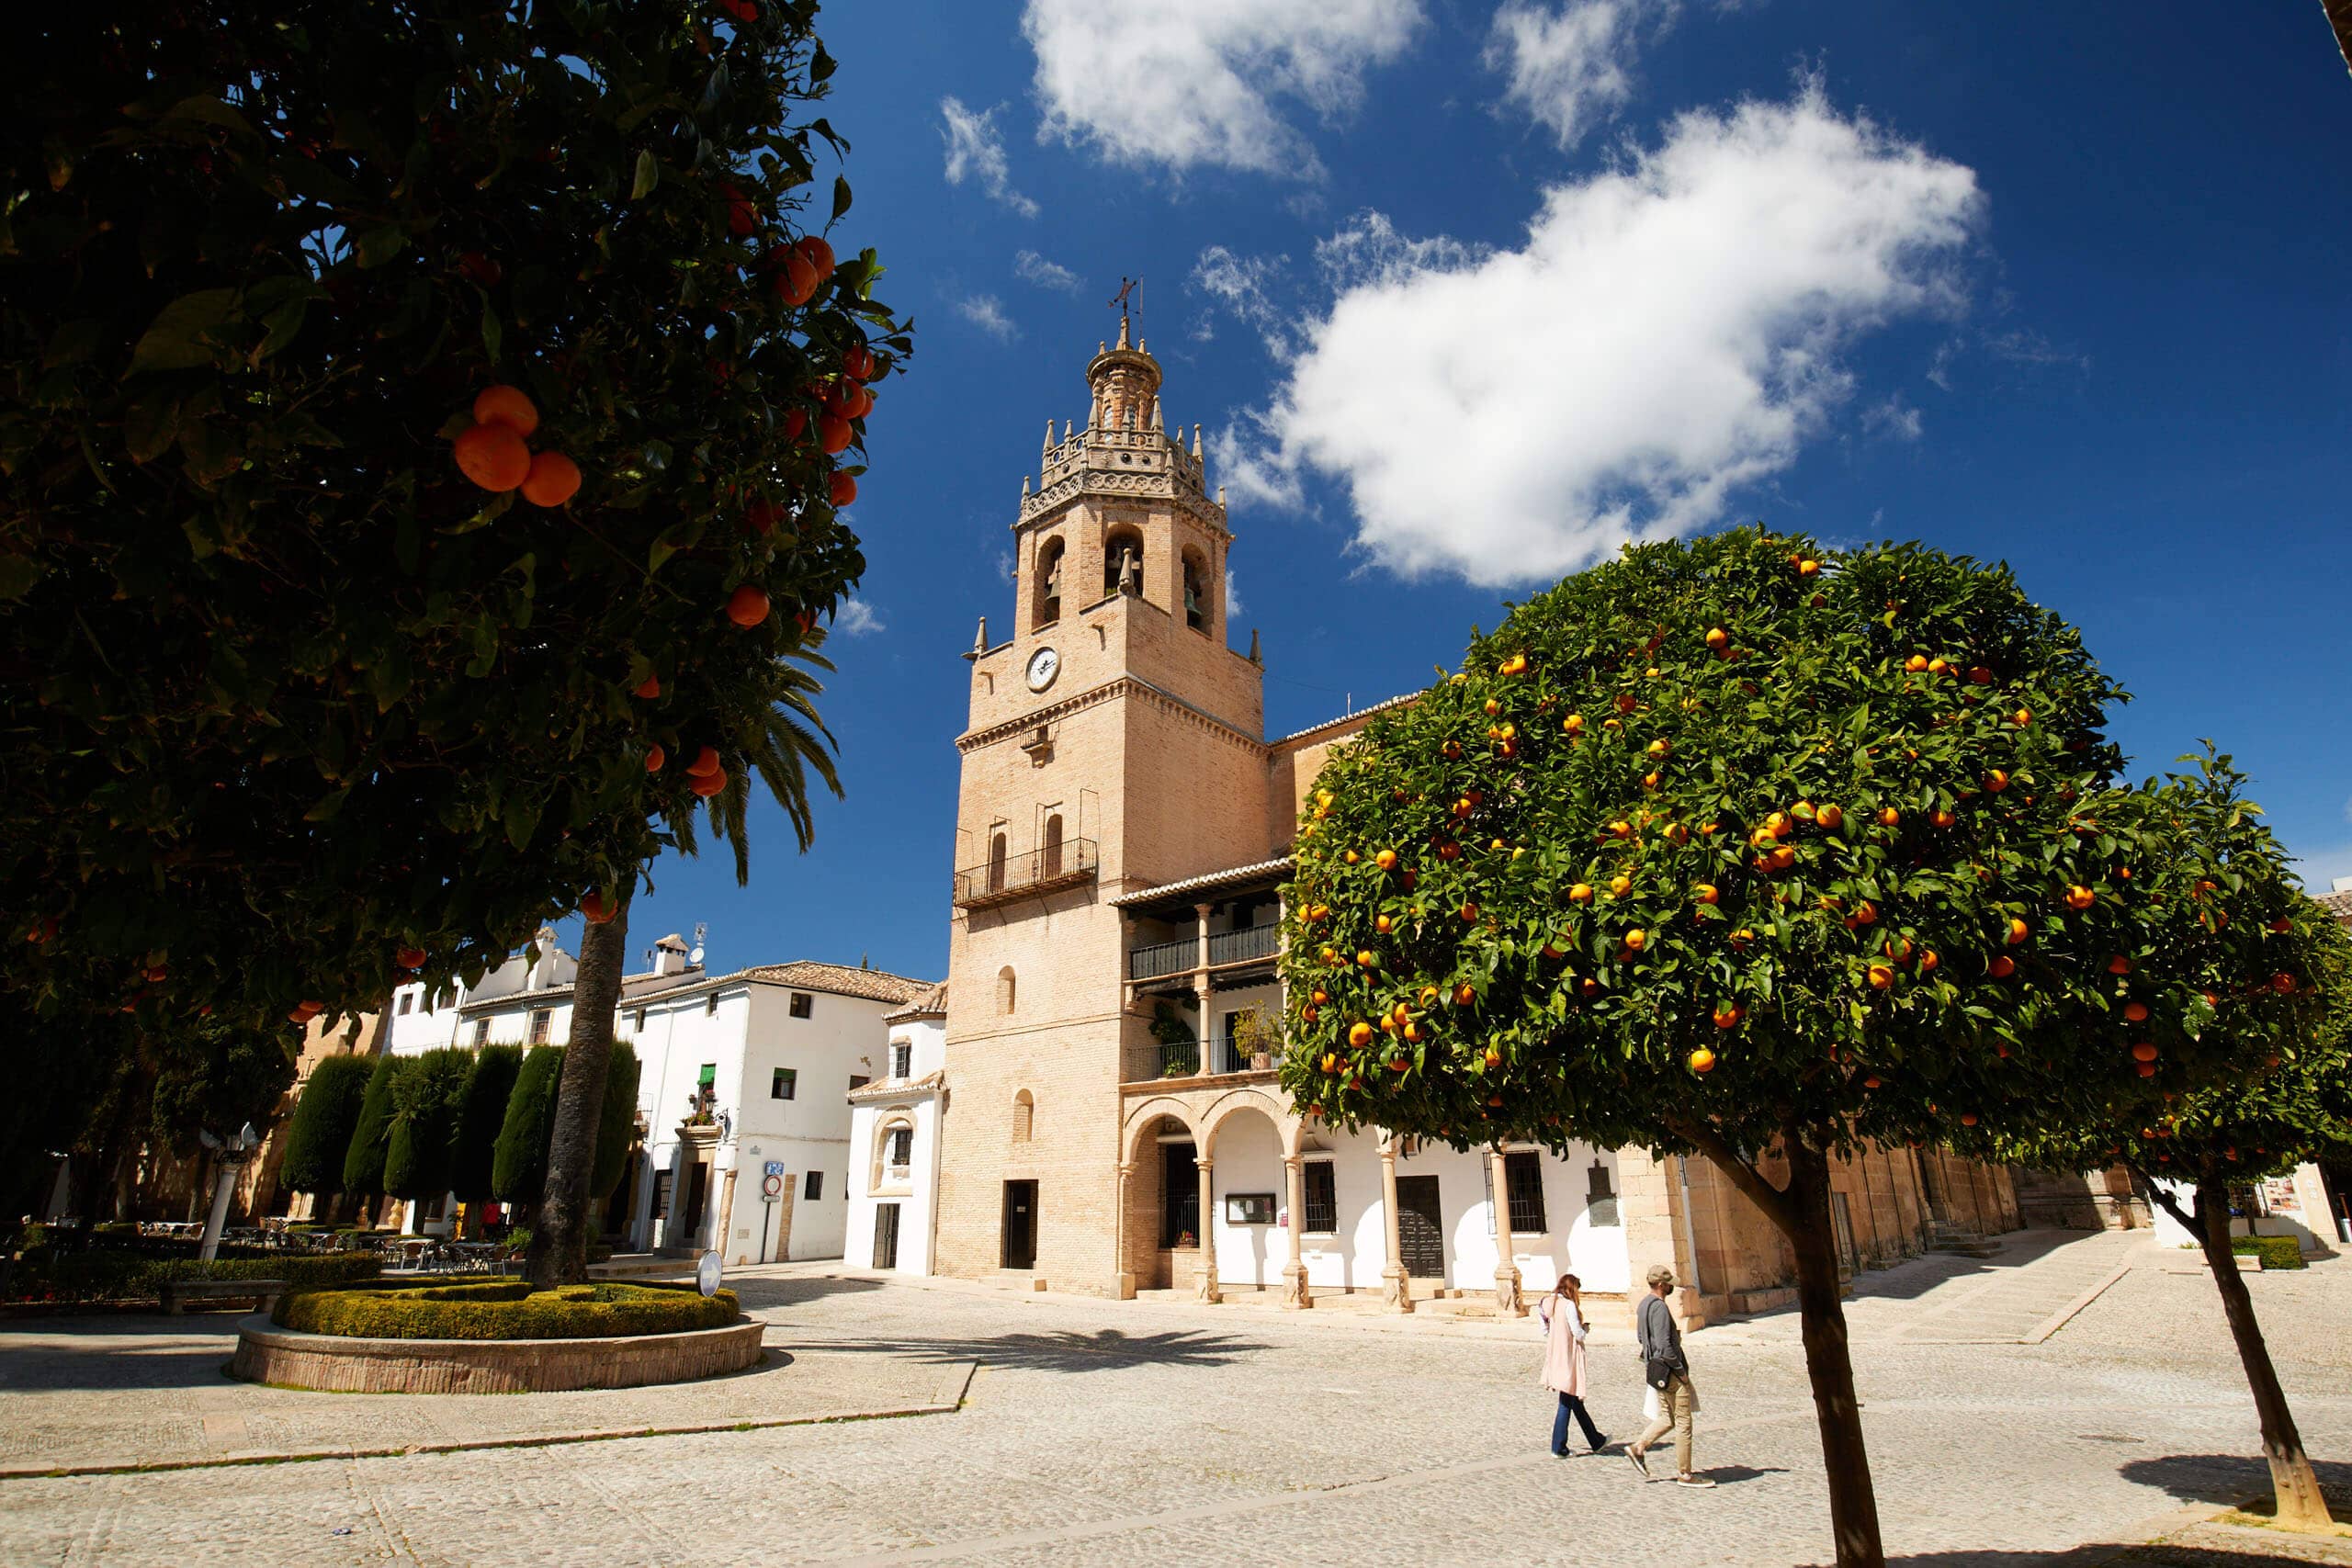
1052,849
1024,1114
894,1151
1004,990
996,862
1049,584
1199,613
1123,563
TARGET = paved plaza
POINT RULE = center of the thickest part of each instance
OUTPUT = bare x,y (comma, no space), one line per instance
2049,1407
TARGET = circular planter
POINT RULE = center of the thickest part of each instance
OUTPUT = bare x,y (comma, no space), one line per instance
333,1364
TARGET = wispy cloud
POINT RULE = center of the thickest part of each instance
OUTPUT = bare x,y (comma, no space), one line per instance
987,313
974,149
1244,286
1569,66
857,618
1232,596
1892,416
1031,267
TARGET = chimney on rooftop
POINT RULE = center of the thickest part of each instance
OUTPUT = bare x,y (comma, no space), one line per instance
670,955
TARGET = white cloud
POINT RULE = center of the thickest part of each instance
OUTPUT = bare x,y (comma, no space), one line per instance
1667,333
1568,67
1006,568
1232,596
974,148
1892,416
1194,82
1245,286
857,618
1371,250
986,313
1031,267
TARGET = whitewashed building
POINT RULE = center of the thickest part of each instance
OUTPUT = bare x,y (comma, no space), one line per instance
742,1078
894,1144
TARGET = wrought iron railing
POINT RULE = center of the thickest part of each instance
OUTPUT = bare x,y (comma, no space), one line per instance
1179,1059
1251,942
1036,870
1154,960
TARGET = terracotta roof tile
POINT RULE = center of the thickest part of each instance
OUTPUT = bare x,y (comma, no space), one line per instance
931,1004
841,980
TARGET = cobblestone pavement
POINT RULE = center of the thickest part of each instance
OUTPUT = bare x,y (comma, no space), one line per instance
1097,1432
2016,1297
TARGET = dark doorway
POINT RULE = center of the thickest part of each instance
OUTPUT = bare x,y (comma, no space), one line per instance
1420,1230
1020,1225
697,1194
1180,1196
886,1235
654,1217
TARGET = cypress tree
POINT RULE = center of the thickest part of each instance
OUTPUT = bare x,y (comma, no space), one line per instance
619,1121
519,1170
321,1129
426,1102
489,1085
363,1163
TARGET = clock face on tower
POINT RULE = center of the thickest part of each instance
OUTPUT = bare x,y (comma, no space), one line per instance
1043,665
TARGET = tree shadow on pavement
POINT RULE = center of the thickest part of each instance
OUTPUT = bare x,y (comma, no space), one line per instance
128,1355
761,1294
1105,1350
2176,1554
2230,1479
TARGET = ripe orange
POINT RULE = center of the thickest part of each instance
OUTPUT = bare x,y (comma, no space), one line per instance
795,281
2022,717
1783,858
1581,894
2147,1069
1995,782
2118,965
1637,939
1728,1014
1661,748
1707,892
1494,1058
1808,568
407,958
650,688
492,456
748,605
1889,817
553,480
1380,923
654,758
598,908
1865,912
1916,663
710,783
842,489
1702,1060
706,761
1515,665
818,254
1926,960
1778,825
2282,925
2143,1051
1367,959
1968,1119
1620,829
833,434
1619,886
857,362
1463,995
2283,983
1469,914
2079,898
1318,996
1882,976
1330,1061
1742,937
1716,636
509,406
2002,967
1980,676
1360,1034
1942,819
2019,931
1385,859
1572,724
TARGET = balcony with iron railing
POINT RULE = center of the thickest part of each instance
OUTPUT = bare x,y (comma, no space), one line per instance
1158,960
1182,1058
1069,863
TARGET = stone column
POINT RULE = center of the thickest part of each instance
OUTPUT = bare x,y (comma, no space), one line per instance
726,1238
1396,1289
1294,1272
1507,1297
1123,1280
1204,1288
1207,1063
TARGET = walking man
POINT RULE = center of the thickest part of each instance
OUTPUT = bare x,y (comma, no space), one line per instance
1667,1373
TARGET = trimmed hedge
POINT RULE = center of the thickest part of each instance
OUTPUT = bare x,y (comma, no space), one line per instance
92,1276
2276,1251
506,1309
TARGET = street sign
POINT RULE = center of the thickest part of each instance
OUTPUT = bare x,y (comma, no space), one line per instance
706,1274
775,1167
771,1185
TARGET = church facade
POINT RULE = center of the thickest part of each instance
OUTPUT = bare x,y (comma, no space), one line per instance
1123,823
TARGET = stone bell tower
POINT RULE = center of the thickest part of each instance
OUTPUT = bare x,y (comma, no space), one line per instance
1115,742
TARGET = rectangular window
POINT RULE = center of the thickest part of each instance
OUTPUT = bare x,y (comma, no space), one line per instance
902,1061
781,1086
1322,1198
482,1031
710,1005
408,1002
640,1021
902,1145
1524,1173
859,1080
802,1002
540,1019
814,1187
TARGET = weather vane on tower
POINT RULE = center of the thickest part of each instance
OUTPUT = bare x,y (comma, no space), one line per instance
1127,286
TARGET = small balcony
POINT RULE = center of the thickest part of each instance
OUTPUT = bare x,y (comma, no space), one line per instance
1183,1059
1069,863
1158,960
1239,947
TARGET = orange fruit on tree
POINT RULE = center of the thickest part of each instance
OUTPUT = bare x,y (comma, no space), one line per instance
1708,893
1888,817
795,281
2079,898
818,254
2283,983
2118,965
1360,1034
1385,859
1808,569
1996,780
1916,663
1926,960
833,434
1829,817
1882,976
407,958
1968,1119
654,758
842,489
553,480
2022,717
857,362
1637,939
598,908
1367,959
710,783
1380,924
2144,1050
492,456
1783,858
1941,817
2147,1069
1716,636
509,406
1572,724
1702,1060
649,688
1581,894
1728,1014
1619,886
706,761
2002,967
748,605
1463,995
1865,912
2018,931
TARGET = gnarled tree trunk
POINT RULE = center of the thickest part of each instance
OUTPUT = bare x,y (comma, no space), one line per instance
2296,1485
559,1253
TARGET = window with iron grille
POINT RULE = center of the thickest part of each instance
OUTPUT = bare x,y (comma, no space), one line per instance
902,1145
1524,1173
1322,1199
902,1060
482,1031
540,1019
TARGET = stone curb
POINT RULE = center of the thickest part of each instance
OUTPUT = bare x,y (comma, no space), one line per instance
330,1363
2065,1314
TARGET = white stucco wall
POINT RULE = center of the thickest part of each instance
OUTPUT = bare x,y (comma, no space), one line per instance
870,1183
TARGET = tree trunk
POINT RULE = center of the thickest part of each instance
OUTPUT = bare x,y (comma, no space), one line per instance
2292,1480
559,1253
1853,1507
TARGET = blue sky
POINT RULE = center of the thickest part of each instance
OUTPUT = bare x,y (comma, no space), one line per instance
1463,292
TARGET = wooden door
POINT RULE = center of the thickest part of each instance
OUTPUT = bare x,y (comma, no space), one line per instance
1020,1225
886,1235
1420,1228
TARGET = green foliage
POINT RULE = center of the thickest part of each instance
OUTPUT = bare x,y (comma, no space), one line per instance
489,1085
519,1173
217,1078
426,1101
506,1310
362,1162
2276,1251
1645,821
2262,977
286,693
105,1276
619,1121
319,1134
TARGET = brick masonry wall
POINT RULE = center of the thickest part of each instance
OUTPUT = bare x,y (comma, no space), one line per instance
330,1363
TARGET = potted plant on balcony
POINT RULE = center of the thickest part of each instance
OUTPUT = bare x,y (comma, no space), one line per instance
1168,1027
1255,1036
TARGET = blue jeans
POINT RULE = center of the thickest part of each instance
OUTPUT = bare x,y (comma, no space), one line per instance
1570,1404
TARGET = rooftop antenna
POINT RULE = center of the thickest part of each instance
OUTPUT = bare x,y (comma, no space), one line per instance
701,929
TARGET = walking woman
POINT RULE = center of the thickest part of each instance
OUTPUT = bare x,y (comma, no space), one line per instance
1564,1332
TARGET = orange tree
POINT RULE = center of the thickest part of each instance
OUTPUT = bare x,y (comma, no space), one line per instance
423,435
1737,847
2242,962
